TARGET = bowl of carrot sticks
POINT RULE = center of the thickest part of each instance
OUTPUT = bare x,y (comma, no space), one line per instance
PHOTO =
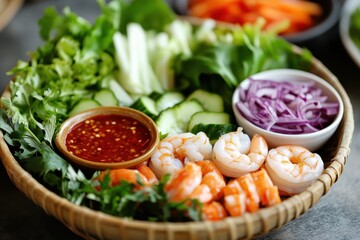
297,21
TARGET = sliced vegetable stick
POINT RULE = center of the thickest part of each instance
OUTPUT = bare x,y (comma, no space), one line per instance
275,15
293,6
205,7
231,13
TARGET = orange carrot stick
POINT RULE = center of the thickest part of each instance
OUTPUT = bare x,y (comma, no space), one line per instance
206,7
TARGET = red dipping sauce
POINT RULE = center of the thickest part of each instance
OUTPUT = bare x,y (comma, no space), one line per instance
108,138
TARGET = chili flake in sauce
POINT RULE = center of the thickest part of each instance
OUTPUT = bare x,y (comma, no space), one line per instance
108,138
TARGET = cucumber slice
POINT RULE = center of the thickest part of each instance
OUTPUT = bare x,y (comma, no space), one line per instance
167,123
120,94
211,101
106,97
208,118
214,131
83,105
168,100
176,119
155,95
146,105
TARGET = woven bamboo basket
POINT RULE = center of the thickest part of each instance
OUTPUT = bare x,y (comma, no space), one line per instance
92,224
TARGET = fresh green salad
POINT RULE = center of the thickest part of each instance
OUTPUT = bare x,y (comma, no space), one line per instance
138,54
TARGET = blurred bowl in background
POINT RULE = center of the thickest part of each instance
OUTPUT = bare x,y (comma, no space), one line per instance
328,18
348,10
8,8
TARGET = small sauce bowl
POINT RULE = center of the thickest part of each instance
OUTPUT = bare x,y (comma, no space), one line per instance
108,138
312,141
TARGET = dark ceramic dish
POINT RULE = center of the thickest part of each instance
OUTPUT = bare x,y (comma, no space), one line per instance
329,18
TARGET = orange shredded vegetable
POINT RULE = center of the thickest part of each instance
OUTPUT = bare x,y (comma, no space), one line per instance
300,14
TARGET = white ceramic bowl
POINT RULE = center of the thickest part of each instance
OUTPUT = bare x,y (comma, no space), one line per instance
312,141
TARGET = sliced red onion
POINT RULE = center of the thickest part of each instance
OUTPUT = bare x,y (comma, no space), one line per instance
286,107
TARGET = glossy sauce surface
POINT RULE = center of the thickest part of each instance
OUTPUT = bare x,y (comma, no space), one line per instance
108,138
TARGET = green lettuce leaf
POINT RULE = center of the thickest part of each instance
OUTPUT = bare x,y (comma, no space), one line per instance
151,16
233,55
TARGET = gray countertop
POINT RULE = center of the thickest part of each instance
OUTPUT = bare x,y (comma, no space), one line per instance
335,216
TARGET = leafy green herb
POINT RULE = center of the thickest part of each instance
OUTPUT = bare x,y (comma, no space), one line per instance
124,200
220,64
214,131
35,155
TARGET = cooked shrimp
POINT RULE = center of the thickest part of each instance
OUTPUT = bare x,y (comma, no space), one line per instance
184,182
213,211
252,201
208,166
141,172
234,198
147,173
268,193
197,148
216,183
191,182
172,152
232,187
244,194
212,183
293,168
202,193
235,155
212,177
235,204
273,196
128,175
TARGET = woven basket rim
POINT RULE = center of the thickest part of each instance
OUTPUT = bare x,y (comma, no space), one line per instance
251,224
